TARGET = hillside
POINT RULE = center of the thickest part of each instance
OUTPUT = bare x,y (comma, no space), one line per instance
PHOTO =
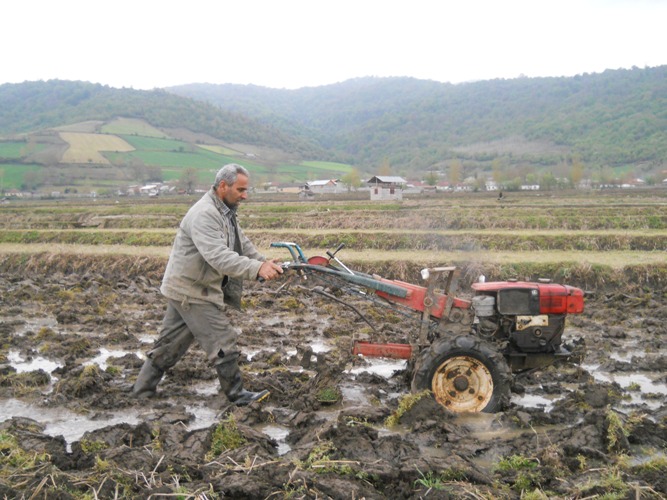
608,126
617,118
60,134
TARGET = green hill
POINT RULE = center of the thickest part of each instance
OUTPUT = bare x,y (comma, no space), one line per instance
608,125
614,119
58,134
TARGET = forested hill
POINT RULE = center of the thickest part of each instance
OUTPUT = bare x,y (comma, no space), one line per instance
618,117
34,106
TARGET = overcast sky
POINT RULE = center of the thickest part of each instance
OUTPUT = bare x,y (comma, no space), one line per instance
146,44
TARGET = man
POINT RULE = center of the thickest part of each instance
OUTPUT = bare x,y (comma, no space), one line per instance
209,260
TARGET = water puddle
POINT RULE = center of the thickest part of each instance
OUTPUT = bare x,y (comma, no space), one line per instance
353,394
101,359
636,385
62,422
319,346
206,388
626,356
34,363
36,324
147,338
204,416
384,367
545,403
279,434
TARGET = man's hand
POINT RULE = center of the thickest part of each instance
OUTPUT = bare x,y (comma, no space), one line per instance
270,270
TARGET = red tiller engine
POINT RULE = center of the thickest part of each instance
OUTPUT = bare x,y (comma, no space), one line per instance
531,316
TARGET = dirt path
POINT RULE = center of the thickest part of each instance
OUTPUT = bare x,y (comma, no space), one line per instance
73,343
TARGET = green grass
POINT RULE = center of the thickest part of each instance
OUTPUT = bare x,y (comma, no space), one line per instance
156,143
327,166
310,171
12,174
13,150
128,126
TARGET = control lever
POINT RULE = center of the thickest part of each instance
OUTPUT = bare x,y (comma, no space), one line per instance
333,256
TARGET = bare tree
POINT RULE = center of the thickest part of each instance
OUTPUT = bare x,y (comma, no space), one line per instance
188,179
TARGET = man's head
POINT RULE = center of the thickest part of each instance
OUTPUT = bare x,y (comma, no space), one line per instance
231,184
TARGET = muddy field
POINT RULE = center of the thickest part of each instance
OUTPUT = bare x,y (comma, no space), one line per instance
335,426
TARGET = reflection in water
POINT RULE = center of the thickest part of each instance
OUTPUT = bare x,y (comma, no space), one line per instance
36,363
62,422
279,434
384,367
101,359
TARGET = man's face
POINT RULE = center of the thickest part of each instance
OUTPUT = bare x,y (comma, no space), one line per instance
235,193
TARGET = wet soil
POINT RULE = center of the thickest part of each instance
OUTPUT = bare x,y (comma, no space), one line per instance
593,426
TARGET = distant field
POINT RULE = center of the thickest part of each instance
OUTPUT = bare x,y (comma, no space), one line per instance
12,174
13,150
221,150
157,143
125,144
129,126
327,166
549,232
88,148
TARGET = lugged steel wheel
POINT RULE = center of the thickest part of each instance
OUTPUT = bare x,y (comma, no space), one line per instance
465,374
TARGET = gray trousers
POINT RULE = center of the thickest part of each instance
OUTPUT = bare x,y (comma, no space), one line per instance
184,323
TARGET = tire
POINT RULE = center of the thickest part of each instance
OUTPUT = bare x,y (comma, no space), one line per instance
465,374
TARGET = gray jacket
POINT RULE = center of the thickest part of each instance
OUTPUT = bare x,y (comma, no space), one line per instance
203,265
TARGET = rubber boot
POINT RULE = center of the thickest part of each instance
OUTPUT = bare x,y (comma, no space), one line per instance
231,383
147,380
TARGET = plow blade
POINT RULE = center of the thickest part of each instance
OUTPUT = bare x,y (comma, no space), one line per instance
373,350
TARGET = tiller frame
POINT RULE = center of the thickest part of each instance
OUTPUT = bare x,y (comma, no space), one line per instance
430,303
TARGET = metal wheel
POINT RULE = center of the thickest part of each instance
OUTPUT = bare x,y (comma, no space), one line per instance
465,375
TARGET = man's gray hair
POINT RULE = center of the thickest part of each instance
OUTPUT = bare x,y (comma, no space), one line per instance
229,174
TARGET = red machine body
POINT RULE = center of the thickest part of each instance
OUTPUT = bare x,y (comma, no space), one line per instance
552,298
416,298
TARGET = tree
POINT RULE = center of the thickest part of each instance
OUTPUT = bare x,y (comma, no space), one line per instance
576,171
548,181
188,179
154,174
496,171
385,167
352,179
431,178
455,172
31,180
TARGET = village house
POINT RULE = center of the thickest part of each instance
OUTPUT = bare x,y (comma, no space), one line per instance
327,186
386,187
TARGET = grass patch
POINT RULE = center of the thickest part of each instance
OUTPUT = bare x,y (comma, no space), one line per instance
405,404
226,436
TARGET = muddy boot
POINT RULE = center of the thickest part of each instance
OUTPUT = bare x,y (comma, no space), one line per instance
231,383
147,381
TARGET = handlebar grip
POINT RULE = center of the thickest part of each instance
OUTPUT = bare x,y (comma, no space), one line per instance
331,255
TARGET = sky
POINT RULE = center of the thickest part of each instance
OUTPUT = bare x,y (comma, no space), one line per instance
146,44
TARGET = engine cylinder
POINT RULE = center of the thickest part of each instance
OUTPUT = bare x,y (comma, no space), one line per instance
484,305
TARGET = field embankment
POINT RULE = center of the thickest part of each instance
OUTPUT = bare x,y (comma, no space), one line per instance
592,239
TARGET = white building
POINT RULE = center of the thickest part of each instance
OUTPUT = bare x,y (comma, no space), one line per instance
327,186
386,187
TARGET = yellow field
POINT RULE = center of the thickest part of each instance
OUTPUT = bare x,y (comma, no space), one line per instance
86,148
219,149
614,259
128,126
